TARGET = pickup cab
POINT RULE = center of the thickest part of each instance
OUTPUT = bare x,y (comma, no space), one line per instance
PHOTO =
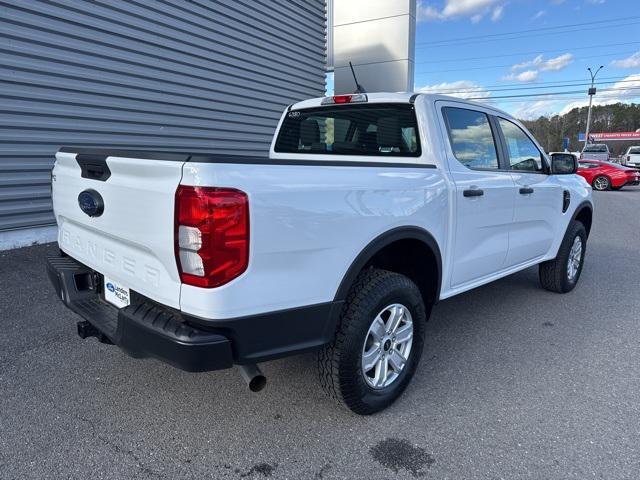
369,209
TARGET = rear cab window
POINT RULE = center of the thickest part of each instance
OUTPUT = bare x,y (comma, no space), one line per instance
384,130
596,149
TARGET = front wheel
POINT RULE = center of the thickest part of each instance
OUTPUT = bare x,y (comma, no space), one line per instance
601,183
378,344
562,273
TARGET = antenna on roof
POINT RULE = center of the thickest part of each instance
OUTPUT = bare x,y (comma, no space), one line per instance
359,88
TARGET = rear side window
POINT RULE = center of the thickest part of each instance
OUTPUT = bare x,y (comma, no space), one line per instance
523,153
385,130
471,138
634,150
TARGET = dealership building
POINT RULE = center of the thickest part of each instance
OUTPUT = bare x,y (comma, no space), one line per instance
199,76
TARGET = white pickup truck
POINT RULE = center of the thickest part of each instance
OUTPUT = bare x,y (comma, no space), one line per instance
369,209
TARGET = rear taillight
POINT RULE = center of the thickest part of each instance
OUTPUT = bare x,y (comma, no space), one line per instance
212,235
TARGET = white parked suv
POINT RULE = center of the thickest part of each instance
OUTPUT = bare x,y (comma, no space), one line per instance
632,157
369,209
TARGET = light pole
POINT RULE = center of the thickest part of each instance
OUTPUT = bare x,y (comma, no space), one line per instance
592,92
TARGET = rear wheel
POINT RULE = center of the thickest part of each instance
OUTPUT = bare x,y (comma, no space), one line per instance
562,273
601,183
378,344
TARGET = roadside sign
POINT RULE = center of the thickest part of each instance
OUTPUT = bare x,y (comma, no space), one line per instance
610,136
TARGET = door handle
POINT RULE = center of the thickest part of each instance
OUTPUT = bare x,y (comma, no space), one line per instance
473,192
526,190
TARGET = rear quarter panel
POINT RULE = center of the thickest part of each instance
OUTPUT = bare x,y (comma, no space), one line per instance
308,224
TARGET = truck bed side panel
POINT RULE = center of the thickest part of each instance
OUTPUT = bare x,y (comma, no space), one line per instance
308,223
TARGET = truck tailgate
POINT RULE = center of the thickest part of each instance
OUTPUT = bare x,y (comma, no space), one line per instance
132,240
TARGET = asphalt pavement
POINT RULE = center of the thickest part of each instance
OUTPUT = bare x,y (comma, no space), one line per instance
515,383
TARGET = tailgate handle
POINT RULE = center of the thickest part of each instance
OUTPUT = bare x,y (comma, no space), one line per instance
93,167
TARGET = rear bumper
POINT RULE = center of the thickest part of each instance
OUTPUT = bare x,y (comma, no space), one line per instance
147,329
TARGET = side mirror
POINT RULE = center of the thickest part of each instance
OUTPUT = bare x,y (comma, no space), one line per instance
563,164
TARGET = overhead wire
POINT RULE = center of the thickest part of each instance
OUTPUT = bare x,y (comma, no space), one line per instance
489,67
518,33
530,87
531,52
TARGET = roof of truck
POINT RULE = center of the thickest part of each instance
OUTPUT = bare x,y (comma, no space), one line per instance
395,97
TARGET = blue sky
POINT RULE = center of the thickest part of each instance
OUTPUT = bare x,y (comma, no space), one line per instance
461,50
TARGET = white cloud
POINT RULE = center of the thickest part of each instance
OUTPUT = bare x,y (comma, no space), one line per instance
630,62
536,108
555,64
541,13
466,7
427,12
497,13
474,9
529,63
526,76
460,89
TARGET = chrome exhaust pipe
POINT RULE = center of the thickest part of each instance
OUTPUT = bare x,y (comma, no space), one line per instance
253,376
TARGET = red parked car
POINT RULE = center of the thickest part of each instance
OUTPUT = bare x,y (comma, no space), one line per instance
607,175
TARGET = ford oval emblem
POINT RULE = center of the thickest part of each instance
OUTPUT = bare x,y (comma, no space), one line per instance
91,203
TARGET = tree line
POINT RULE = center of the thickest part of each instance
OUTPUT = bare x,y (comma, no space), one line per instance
617,117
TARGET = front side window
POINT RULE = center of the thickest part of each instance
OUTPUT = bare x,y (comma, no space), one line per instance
523,153
471,138
385,130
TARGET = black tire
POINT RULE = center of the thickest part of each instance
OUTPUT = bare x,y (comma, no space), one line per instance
554,273
601,183
340,362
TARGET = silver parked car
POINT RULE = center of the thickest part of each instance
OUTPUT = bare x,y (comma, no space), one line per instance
596,151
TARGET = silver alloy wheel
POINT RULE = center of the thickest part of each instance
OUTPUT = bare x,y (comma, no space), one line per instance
601,183
575,255
387,346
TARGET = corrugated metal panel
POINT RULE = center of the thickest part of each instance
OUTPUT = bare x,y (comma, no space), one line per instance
199,75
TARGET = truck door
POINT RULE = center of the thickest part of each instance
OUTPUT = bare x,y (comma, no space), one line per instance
484,194
538,198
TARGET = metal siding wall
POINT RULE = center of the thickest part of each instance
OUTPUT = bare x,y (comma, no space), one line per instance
199,75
